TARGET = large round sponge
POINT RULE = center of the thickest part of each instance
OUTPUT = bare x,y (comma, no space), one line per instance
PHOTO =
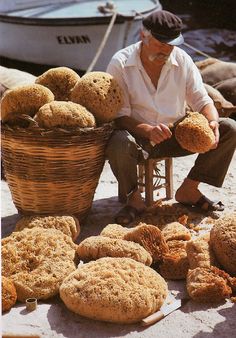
99,93
60,80
37,260
223,242
95,247
24,100
114,230
194,133
64,114
118,290
69,225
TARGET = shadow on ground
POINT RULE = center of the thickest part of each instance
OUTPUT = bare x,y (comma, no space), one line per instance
8,224
103,212
84,327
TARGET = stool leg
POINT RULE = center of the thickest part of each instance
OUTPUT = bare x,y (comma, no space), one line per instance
141,178
169,178
149,182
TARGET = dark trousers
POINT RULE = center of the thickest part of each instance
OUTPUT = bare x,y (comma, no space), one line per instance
124,152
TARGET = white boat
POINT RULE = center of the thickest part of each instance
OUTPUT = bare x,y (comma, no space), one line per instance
69,33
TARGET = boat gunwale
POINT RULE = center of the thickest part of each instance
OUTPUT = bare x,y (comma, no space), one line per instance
78,21
60,22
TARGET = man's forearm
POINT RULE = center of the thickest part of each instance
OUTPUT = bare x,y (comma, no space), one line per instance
210,112
135,127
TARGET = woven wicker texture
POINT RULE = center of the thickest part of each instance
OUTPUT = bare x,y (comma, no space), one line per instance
56,171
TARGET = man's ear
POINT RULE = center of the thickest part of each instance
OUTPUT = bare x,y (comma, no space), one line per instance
144,38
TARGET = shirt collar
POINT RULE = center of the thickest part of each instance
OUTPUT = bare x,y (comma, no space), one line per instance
172,59
134,58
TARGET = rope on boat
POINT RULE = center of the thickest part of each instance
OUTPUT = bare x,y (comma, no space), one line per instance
104,9
196,50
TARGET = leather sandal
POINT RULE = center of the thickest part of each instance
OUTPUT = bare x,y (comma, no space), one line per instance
126,215
204,204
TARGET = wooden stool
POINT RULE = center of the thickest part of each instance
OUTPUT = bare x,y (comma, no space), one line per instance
151,179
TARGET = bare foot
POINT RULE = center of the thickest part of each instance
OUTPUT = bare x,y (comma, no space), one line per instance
188,192
133,208
135,200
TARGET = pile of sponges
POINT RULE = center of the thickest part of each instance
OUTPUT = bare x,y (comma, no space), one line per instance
60,98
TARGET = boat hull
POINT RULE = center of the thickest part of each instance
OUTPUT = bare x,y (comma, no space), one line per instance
67,41
72,46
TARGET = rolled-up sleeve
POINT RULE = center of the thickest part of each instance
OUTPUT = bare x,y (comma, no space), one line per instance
115,69
196,94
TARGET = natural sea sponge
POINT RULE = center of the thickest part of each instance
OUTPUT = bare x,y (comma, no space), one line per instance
228,89
175,264
206,63
60,80
231,281
176,231
225,108
64,114
114,231
95,247
205,285
37,260
67,224
118,290
9,295
99,93
151,238
223,242
200,253
24,100
194,134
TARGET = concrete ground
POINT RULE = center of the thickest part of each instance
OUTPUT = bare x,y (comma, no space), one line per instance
52,319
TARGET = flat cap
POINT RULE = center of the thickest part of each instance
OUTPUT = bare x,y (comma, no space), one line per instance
165,27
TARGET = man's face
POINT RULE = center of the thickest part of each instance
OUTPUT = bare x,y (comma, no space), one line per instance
157,51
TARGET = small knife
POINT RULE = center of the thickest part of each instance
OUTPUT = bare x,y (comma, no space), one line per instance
165,311
171,126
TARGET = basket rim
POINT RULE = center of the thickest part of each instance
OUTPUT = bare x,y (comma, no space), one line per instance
34,128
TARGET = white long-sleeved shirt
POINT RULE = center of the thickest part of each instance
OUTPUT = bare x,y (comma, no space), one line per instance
180,82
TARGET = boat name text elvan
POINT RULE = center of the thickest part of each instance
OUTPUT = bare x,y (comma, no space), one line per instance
73,39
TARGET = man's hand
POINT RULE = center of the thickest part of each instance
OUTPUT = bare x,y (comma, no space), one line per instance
155,134
214,125
159,133
210,112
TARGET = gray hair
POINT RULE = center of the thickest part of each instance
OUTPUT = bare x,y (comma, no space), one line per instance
146,32
146,35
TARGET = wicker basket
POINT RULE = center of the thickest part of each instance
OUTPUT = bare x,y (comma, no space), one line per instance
56,171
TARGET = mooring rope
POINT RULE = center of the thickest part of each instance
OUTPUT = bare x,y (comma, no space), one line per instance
196,50
105,37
